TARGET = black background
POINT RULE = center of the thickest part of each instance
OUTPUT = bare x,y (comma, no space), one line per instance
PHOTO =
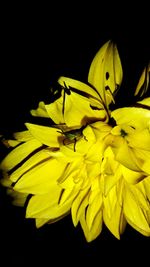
38,44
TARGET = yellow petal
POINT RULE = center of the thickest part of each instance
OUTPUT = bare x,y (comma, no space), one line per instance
19,153
110,169
19,199
79,204
67,193
40,179
40,111
46,135
131,176
55,109
10,143
79,111
111,180
23,136
145,102
139,117
71,174
96,188
93,170
143,83
92,210
96,228
46,206
40,222
116,222
78,86
100,129
134,213
126,157
143,158
135,139
95,152
105,72
138,228
146,183
140,195
110,202
31,163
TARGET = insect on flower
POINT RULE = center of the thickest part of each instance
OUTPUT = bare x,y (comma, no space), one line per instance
72,135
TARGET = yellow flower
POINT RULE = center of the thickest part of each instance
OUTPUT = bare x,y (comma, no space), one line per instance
92,162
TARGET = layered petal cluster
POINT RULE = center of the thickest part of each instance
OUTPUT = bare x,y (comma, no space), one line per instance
92,162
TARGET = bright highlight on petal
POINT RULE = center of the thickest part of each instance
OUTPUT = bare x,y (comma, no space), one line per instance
89,162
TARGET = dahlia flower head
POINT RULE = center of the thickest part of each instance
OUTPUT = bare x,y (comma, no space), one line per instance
92,162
